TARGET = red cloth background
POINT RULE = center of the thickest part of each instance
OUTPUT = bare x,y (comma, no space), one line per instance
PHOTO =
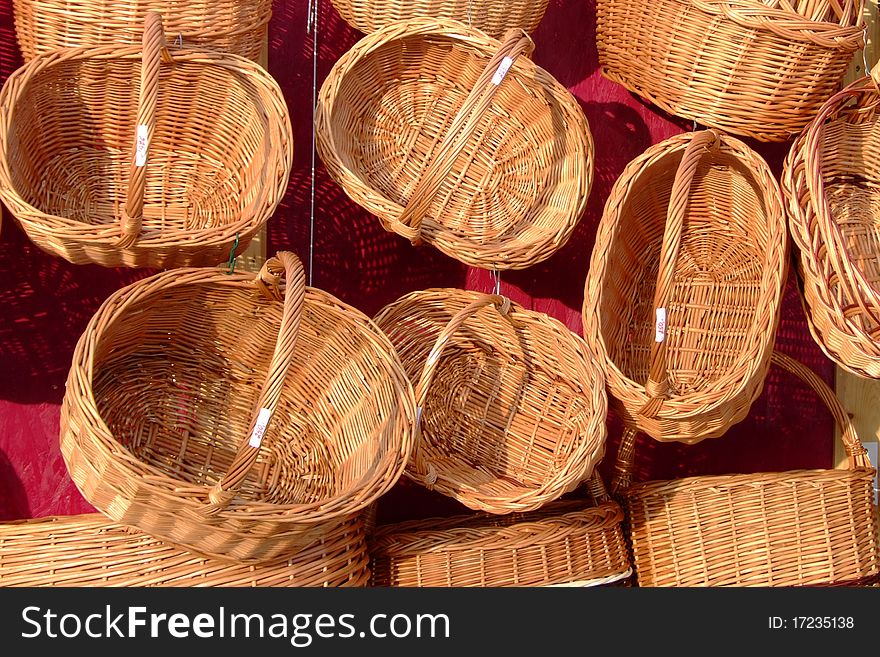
45,303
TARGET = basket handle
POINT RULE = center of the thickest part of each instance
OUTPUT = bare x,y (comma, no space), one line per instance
267,282
658,382
857,455
155,52
866,295
516,42
424,468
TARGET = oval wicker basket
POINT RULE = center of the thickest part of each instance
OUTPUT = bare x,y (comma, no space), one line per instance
90,550
456,140
797,528
682,299
175,171
783,66
494,17
831,181
567,543
234,26
206,412
511,404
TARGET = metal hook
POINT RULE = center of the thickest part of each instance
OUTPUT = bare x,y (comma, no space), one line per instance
179,40
496,276
232,258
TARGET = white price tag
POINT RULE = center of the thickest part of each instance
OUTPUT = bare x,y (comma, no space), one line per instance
260,427
140,151
660,325
503,68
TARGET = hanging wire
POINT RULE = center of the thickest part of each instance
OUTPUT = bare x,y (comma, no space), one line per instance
312,28
496,276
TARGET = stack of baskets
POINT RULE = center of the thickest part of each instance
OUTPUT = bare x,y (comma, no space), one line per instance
511,415
233,428
239,428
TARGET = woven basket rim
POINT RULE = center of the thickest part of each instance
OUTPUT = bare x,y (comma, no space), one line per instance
775,259
696,482
100,435
757,15
387,538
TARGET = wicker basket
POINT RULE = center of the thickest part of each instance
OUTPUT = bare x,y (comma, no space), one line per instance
683,294
797,528
177,170
206,412
750,67
567,543
91,551
831,181
420,125
235,26
512,407
494,17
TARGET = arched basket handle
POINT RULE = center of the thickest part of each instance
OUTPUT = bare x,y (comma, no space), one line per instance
155,52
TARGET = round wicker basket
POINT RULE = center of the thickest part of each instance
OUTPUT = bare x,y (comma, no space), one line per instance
178,170
90,550
494,17
682,299
511,404
831,181
456,140
760,68
205,411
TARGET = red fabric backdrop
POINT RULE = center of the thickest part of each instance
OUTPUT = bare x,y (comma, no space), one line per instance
46,302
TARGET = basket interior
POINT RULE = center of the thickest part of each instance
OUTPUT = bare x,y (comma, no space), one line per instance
507,408
515,176
178,377
851,172
72,135
713,311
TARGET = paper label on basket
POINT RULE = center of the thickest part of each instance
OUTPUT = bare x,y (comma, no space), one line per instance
140,151
503,68
660,326
260,427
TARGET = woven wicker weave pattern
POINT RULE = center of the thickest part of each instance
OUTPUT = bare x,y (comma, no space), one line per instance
91,551
234,26
831,181
567,541
796,528
498,174
219,154
164,393
707,223
513,406
678,55
494,17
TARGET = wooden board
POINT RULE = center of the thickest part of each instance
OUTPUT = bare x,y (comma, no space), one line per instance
861,397
254,256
